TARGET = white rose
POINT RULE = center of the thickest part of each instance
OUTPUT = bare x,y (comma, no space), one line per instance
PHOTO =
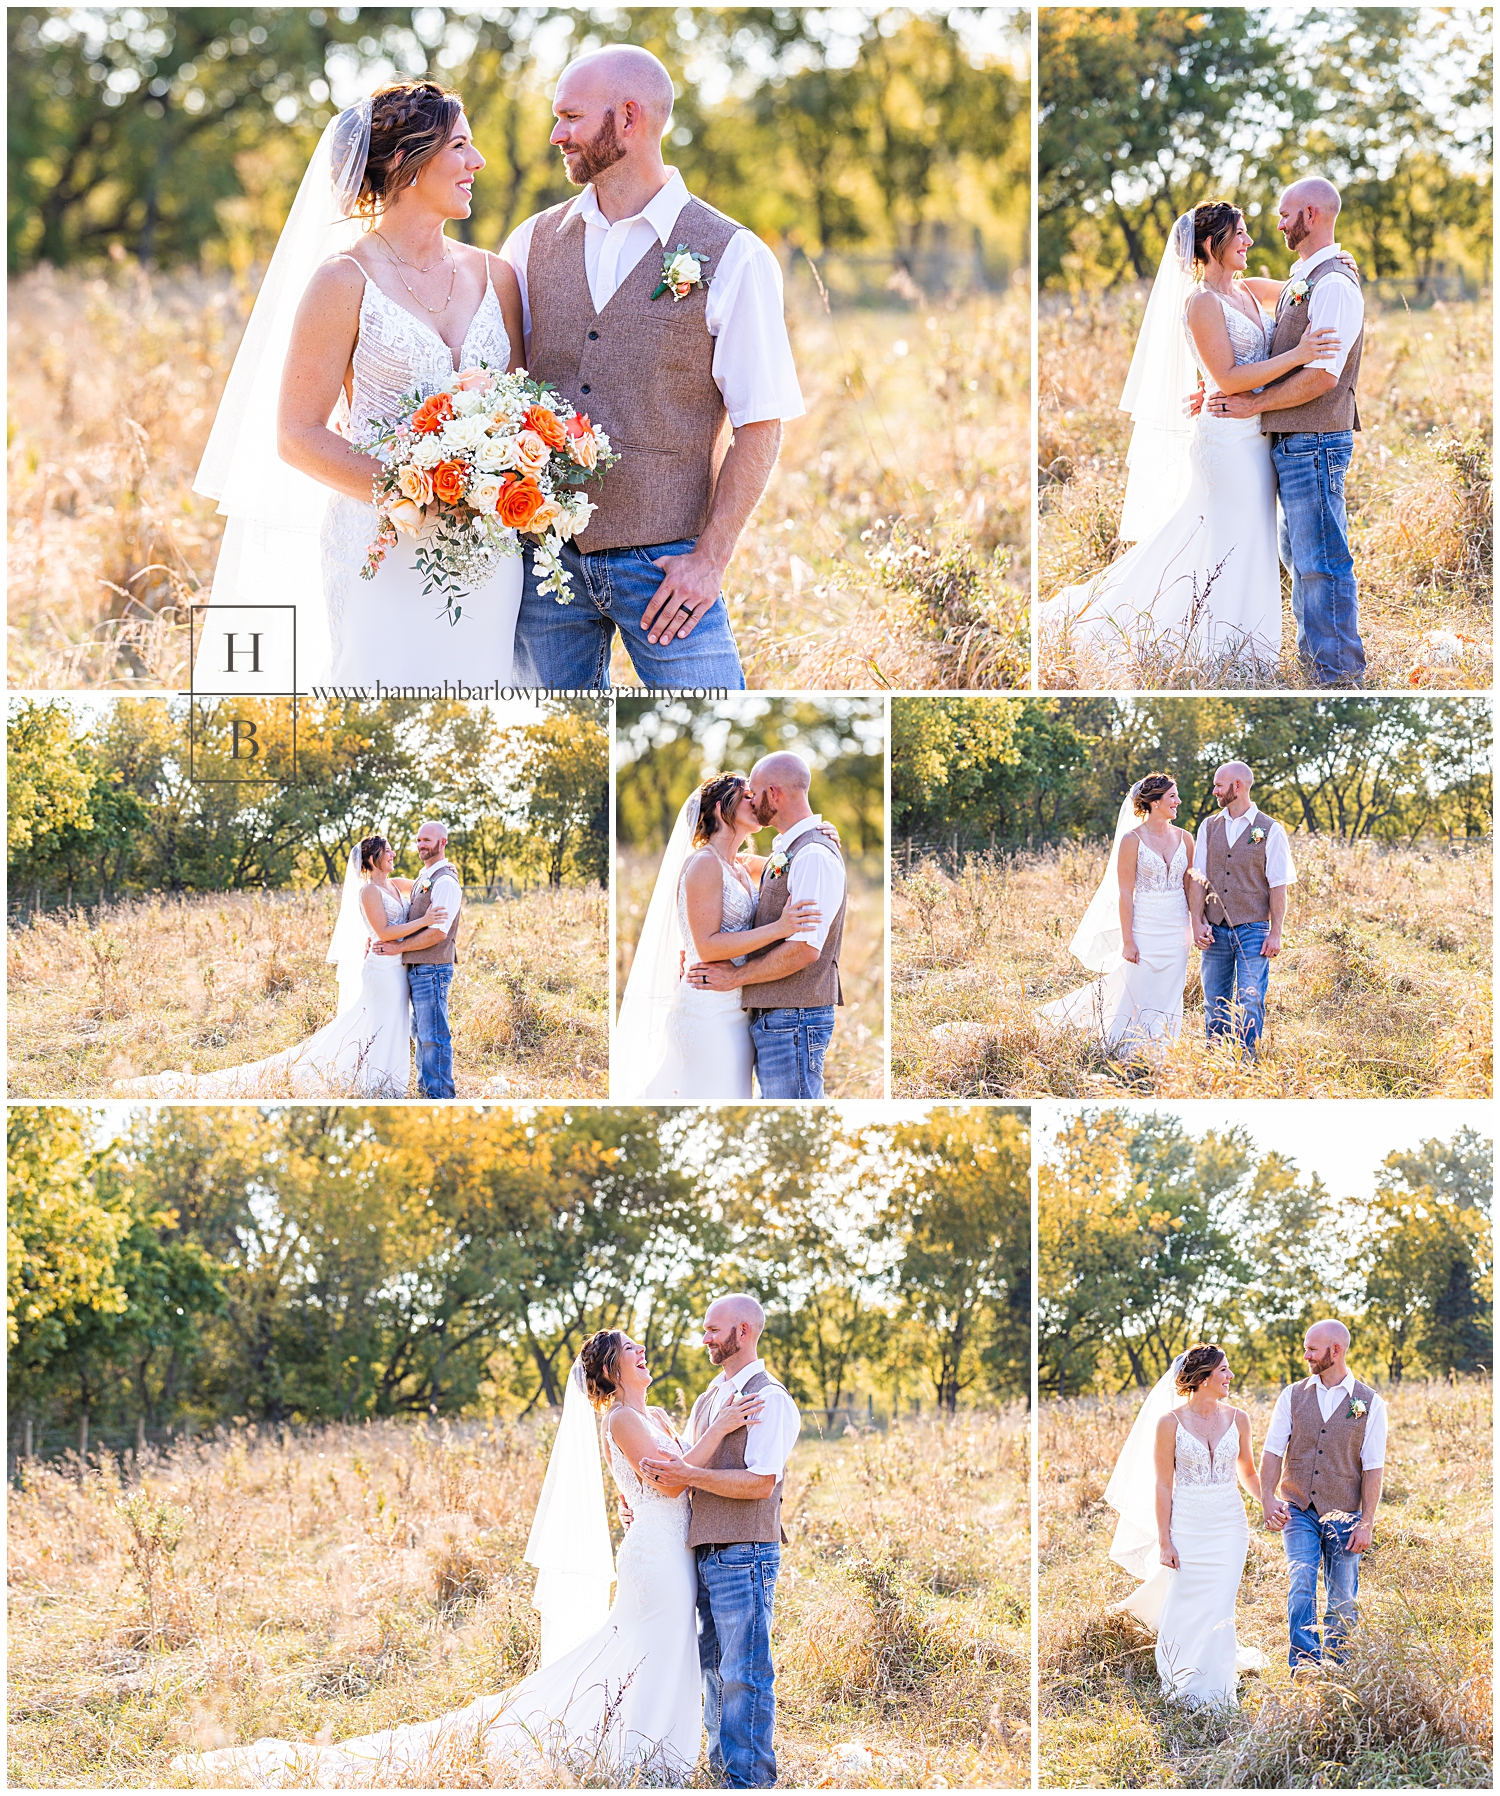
484,490
464,434
495,454
467,404
580,509
426,453
682,268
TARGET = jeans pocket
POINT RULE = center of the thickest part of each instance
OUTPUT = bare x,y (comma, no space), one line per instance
649,554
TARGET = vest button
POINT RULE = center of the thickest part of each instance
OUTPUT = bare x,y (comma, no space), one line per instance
585,388
593,336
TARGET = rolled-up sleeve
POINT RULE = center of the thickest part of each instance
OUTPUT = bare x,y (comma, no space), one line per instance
745,315
1336,303
817,873
515,250
1372,1449
1279,868
769,1442
1280,1431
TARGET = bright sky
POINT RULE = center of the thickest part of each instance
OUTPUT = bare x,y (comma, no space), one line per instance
1344,1143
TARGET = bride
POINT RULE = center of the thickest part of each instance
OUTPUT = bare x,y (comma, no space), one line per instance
620,1691
1182,1527
366,299
1200,498
675,1040
366,1050
1136,931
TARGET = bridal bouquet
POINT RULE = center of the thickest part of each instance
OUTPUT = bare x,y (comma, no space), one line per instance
469,471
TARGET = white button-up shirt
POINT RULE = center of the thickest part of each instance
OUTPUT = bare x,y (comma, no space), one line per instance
769,1439
447,889
819,876
1372,1449
752,365
1334,302
1279,868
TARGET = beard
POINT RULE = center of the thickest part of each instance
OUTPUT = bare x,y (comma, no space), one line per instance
1319,1366
720,1351
1295,232
603,151
764,810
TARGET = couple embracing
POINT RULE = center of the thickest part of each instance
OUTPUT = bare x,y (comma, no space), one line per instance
1163,893
654,321
1182,1527
1266,372
395,945
685,1648
735,979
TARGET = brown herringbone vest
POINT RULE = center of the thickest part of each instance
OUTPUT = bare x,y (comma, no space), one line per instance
1337,409
1238,890
642,369
1320,1469
722,1521
818,982
445,952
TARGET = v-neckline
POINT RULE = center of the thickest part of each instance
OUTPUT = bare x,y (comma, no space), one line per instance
432,329
1210,1450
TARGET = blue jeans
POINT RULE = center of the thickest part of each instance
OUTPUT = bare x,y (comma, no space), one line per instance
736,1592
1312,1540
1313,537
568,646
789,1050
1235,977
429,1028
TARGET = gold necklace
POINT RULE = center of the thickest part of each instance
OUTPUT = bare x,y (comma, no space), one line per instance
452,280
444,257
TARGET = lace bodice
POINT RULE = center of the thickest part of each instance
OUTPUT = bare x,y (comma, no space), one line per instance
394,905
398,353
739,909
648,1505
1153,875
1251,342
1197,1466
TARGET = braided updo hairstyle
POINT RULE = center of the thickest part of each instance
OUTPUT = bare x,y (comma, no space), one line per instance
600,1353
1214,224
1151,791
718,799
370,851
1196,1365
410,121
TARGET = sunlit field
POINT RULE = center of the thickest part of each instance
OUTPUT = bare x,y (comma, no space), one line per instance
157,985
1418,494
855,1063
917,419
1411,1707
1382,987
335,1582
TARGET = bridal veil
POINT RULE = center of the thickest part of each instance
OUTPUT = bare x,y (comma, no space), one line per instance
1162,376
1098,941
569,1539
1132,1484
273,512
640,1038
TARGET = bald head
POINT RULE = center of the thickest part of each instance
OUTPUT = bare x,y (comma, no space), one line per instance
616,76
1307,215
1232,785
731,1329
1314,191
778,788
783,769
1323,1348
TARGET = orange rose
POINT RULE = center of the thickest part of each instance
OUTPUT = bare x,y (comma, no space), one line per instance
520,501
432,414
449,481
547,425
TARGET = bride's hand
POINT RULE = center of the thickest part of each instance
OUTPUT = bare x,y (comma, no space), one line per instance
739,1412
1131,953
1318,343
1169,1556
802,914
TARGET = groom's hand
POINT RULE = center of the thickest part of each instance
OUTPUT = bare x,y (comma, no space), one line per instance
1276,1514
1203,935
1235,405
1359,1540
1271,947
691,584
715,976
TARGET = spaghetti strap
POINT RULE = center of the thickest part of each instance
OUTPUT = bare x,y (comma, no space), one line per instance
344,256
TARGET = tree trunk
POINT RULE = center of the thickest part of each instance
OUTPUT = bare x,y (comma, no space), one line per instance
83,1434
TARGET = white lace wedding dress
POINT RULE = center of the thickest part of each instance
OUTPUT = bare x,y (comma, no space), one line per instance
628,1701
1211,572
386,629
709,1053
1134,1006
1192,1610
364,1052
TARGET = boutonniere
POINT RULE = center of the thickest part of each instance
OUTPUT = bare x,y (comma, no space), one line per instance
1297,291
681,271
1355,1410
778,863
1257,835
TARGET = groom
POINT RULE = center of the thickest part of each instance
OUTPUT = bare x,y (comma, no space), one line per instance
691,382
429,959
1325,1456
1238,907
792,987
1310,416
735,1528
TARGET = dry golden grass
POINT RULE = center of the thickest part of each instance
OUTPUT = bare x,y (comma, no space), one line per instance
1410,1709
1382,988
855,1063
353,1578
1418,495
222,979
115,379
